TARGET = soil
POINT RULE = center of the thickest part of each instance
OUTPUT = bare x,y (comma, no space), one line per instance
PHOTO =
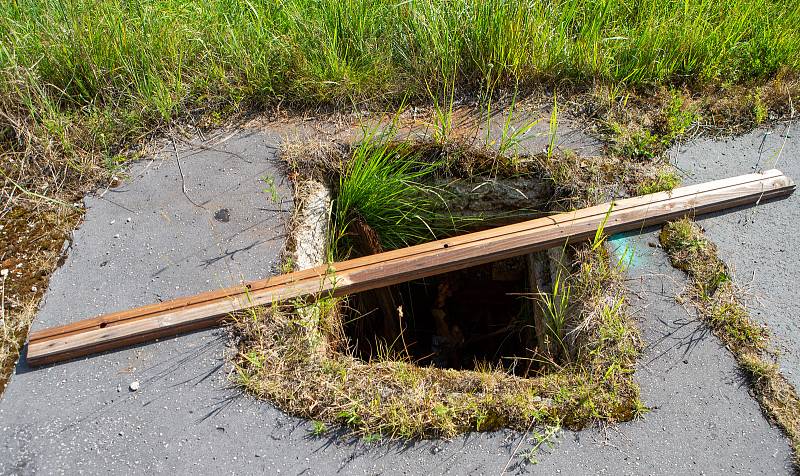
31,240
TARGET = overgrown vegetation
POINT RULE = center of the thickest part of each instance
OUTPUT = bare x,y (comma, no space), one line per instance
301,362
81,82
298,356
717,299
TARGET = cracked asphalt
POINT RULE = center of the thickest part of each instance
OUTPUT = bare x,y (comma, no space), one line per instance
211,218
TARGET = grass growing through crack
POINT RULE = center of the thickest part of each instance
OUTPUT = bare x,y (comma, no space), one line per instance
717,300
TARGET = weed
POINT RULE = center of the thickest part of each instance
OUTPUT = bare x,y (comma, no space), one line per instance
641,145
555,306
664,180
318,428
371,438
270,189
551,144
544,438
511,135
287,265
443,112
679,118
759,108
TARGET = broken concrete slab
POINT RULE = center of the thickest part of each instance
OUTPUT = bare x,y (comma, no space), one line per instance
169,231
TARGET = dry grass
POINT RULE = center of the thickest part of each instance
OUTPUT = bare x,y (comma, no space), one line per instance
298,358
641,123
717,300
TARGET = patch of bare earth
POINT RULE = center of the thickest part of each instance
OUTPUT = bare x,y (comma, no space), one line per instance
31,241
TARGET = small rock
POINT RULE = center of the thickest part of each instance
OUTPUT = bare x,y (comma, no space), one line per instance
116,236
112,222
134,386
3,272
128,220
223,215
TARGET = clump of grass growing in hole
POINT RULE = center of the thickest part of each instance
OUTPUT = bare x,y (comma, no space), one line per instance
555,307
717,300
384,184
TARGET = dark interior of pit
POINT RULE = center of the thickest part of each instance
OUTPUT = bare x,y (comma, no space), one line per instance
472,317
459,320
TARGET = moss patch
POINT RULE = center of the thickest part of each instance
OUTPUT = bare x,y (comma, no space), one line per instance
717,300
30,243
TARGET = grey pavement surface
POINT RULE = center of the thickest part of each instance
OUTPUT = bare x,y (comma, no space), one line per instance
80,417
762,244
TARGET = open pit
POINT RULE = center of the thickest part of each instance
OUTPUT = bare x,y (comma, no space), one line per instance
539,339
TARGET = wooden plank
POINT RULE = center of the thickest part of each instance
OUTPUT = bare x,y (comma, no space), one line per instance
398,266
403,253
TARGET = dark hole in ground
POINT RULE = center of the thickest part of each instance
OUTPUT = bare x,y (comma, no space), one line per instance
480,315
464,319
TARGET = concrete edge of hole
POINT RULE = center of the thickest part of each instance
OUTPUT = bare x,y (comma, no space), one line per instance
311,224
308,244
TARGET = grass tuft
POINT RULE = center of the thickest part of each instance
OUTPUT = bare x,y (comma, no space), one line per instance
386,185
663,180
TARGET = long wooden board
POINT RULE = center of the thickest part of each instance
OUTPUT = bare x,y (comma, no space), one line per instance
208,309
403,253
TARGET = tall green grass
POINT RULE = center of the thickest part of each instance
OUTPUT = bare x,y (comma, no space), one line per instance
386,185
104,72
